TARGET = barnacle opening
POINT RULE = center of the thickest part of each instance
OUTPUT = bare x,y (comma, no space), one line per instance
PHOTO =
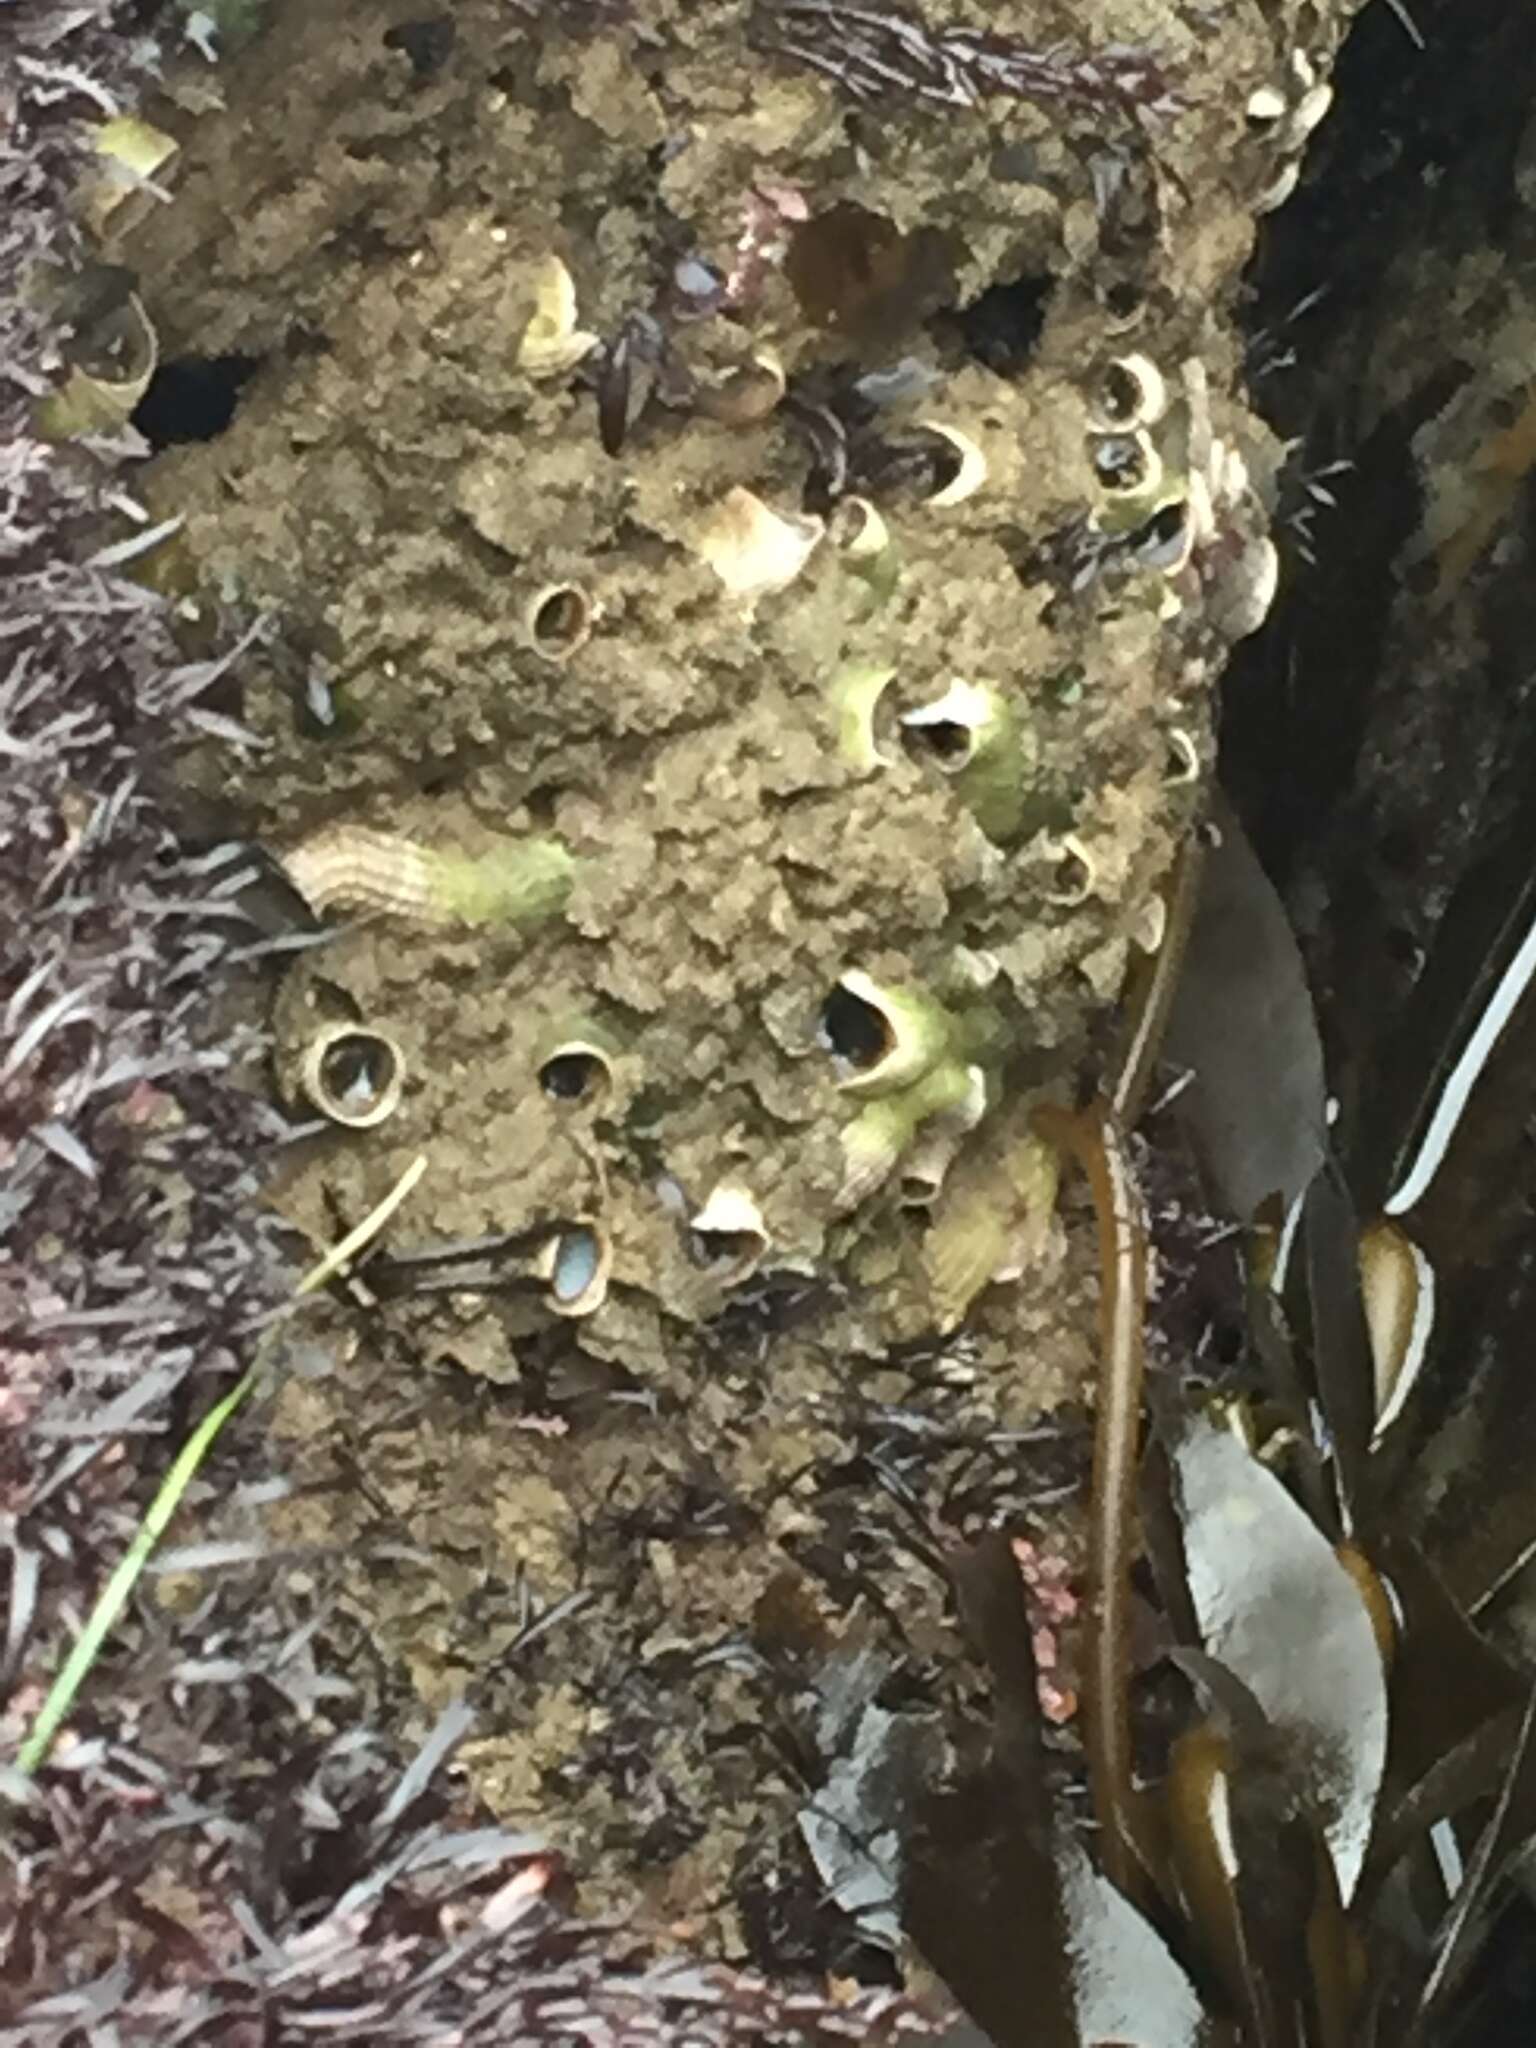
728,1236
353,1075
857,1033
945,742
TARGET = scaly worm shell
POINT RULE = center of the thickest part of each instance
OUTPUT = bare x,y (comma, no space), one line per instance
352,868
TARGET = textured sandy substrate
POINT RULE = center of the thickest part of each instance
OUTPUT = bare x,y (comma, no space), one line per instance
736,1477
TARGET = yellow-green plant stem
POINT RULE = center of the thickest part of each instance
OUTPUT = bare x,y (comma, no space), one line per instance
114,1595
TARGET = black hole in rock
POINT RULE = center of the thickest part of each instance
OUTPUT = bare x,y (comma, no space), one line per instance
1002,327
572,1076
428,44
192,398
854,1030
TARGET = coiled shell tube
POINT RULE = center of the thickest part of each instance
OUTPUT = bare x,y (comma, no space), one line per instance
352,868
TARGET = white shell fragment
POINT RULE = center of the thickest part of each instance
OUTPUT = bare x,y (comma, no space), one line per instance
858,529
753,549
730,1233
972,473
552,342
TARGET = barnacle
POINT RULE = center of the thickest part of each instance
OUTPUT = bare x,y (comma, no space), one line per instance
575,1263
975,734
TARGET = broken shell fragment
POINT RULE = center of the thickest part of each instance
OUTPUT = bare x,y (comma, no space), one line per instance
352,868
115,362
1279,189
353,1075
728,1234
882,1039
1310,110
552,343
576,1262
965,471
855,692
1132,392
1397,1286
857,529
1265,107
747,394
753,549
558,619
131,152
1076,871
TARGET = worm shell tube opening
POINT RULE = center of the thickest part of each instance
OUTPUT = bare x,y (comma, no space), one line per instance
353,1075
728,1234
883,1039
970,472
552,343
1131,392
576,1263
747,394
351,868
124,351
858,529
558,620
753,549
576,1069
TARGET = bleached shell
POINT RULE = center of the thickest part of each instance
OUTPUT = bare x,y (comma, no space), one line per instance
552,342
753,549
972,473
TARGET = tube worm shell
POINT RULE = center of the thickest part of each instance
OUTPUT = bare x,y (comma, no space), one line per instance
352,1074
352,868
